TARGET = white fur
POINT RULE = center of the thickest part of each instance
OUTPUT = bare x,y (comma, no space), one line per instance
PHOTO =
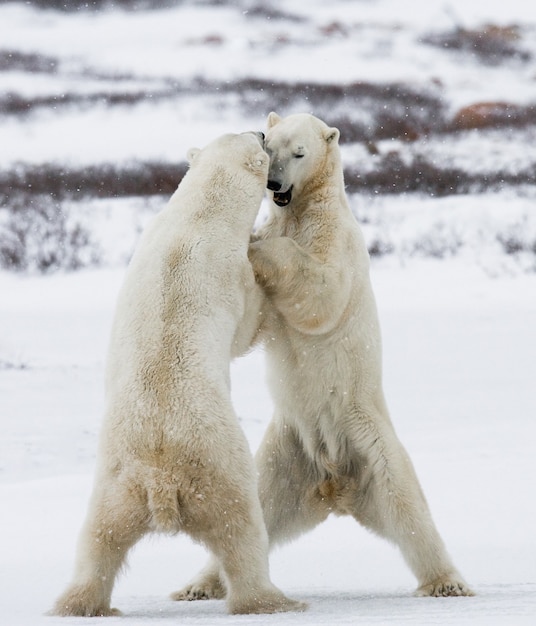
172,456
331,446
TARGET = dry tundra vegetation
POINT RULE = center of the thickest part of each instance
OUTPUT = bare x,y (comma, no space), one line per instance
37,227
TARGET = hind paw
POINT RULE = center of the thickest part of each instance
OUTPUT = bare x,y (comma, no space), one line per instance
445,587
200,591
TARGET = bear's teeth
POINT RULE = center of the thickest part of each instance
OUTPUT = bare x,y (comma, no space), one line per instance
282,199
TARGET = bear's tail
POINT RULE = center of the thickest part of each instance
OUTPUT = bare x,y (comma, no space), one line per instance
163,503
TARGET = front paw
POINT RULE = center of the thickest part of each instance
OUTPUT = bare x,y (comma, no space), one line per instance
255,250
263,266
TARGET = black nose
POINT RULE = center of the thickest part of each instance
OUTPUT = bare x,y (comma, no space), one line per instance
273,185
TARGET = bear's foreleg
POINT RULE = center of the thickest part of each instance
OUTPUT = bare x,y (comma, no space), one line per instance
247,331
311,295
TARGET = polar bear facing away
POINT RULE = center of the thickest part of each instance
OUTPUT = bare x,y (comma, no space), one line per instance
172,456
331,446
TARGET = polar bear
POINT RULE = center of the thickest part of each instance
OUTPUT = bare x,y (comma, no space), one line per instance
172,455
331,446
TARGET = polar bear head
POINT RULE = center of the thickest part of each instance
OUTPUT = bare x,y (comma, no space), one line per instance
300,147
244,150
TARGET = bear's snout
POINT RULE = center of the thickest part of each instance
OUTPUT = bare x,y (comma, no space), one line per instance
273,185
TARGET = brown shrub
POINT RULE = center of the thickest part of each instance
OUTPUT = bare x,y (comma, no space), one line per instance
97,181
490,44
493,114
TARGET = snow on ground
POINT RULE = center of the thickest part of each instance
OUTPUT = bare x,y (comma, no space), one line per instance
459,351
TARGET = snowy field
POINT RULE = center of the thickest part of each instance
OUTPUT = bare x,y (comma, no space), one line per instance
453,270
459,374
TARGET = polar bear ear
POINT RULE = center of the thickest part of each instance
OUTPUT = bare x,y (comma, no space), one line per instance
331,135
258,162
191,154
273,119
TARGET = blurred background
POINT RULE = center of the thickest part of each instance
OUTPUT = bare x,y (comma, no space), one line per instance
435,100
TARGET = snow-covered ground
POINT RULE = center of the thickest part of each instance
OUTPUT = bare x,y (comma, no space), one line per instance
454,279
459,352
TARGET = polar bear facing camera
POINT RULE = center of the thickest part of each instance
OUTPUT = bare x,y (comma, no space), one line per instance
331,446
172,455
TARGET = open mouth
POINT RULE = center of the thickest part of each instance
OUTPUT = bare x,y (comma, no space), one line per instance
282,199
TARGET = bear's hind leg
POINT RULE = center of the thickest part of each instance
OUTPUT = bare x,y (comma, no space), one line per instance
288,491
116,520
394,506
230,524
241,546
288,485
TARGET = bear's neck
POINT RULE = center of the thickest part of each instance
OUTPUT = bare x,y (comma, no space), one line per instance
326,186
221,202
